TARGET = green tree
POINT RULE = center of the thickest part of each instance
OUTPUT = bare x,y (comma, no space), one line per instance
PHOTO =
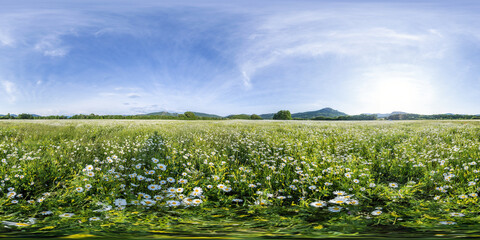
255,117
25,116
189,115
282,115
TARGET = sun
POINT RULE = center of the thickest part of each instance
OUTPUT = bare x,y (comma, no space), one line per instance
393,91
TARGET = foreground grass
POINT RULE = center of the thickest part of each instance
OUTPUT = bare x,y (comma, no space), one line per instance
239,178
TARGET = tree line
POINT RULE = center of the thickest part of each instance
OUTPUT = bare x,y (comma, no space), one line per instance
280,115
411,116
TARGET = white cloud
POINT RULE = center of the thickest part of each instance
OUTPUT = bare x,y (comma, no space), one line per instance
133,95
5,38
10,90
246,79
51,46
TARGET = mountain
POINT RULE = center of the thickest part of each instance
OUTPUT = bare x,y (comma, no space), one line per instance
267,115
385,115
238,116
199,114
325,112
164,113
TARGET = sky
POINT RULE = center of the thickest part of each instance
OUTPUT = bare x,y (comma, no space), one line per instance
232,57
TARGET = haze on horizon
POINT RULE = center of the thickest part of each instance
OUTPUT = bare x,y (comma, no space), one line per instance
227,57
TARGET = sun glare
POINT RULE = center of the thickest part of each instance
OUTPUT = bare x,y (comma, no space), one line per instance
387,92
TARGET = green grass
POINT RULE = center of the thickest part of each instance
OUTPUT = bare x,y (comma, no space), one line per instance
258,179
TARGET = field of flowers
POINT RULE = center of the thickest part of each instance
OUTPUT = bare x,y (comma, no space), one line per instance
238,178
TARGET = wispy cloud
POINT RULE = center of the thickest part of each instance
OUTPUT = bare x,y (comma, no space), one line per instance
133,95
51,46
10,89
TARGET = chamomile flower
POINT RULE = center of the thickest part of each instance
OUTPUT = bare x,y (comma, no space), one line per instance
447,223
148,202
173,203
120,202
393,185
339,200
11,194
46,213
162,167
198,190
335,209
454,214
376,212
339,193
16,224
462,196
66,215
318,204
197,202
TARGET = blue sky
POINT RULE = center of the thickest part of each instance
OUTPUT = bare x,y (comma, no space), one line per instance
225,57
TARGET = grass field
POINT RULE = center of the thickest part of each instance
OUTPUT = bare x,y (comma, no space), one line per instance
258,179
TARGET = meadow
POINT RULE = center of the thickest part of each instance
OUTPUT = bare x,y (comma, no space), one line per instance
239,179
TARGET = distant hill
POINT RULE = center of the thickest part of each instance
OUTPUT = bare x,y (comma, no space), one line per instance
163,113
385,115
198,114
239,116
325,112
267,115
